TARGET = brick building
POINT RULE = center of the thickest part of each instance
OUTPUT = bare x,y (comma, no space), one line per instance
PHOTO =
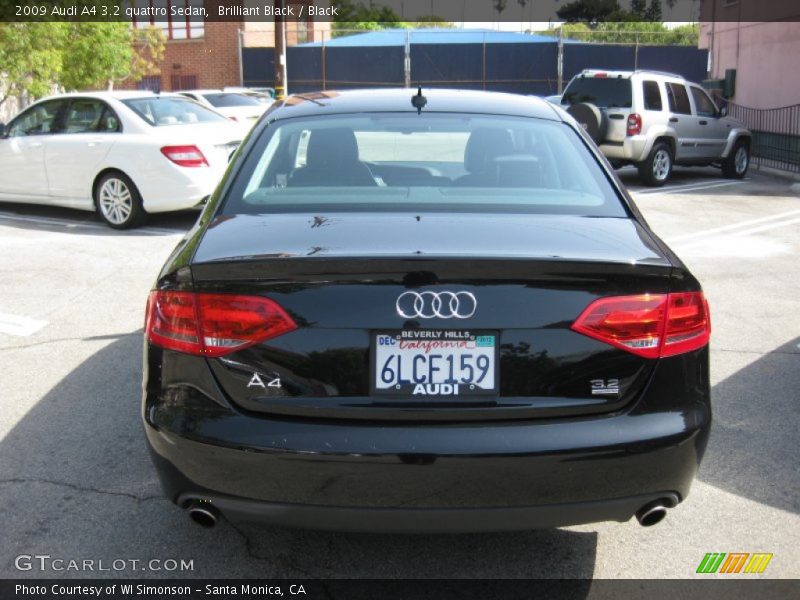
206,53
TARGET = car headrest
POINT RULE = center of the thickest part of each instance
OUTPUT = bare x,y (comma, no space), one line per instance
484,145
331,146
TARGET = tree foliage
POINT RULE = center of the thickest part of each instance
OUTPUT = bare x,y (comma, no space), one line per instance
632,32
36,57
592,11
30,58
600,11
356,16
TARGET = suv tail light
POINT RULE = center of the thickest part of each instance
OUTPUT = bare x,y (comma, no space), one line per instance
185,156
634,124
212,324
649,325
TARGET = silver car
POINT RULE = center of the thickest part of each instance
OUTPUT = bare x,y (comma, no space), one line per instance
655,120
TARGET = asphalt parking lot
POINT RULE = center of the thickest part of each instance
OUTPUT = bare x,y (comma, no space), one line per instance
76,481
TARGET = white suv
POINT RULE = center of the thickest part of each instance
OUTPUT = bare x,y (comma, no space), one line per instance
654,120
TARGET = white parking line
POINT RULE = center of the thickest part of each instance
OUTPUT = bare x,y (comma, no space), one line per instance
650,190
688,188
20,326
717,239
73,225
739,225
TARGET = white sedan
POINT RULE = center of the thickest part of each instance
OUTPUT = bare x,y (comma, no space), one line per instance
123,154
238,106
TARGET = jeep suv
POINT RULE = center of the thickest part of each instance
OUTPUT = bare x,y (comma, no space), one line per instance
655,120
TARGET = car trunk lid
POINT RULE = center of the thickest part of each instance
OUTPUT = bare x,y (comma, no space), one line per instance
341,276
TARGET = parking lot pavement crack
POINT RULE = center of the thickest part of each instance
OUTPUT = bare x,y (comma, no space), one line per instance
251,553
66,339
82,489
758,353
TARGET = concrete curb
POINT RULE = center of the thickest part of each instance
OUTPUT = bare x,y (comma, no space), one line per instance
779,173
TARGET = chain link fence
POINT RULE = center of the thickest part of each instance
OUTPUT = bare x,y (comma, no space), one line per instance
521,62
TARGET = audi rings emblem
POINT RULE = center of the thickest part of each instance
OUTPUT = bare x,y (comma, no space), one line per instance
442,305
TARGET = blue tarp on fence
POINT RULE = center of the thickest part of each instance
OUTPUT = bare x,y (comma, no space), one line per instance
511,62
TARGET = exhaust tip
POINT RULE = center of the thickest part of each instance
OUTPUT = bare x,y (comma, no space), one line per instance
651,514
203,514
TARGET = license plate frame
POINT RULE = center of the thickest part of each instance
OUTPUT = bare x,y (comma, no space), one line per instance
408,388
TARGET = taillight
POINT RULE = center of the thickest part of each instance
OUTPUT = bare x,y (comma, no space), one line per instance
634,124
212,324
185,156
688,323
649,325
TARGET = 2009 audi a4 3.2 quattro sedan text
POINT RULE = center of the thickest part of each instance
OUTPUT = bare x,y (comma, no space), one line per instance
430,311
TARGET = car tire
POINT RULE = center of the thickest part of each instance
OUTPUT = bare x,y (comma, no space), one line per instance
592,119
735,166
118,202
656,169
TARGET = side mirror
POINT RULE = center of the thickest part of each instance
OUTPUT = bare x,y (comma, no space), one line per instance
723,112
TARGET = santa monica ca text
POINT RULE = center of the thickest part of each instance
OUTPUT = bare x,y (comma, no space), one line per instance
244,589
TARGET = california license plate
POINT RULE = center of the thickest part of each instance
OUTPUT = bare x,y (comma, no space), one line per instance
434,362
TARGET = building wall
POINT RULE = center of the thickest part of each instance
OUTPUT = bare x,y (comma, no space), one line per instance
764,53
213,61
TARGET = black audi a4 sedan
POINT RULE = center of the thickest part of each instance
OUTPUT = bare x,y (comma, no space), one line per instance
424,311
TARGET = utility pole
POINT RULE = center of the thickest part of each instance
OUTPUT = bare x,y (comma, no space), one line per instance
280,51
560,60
407,61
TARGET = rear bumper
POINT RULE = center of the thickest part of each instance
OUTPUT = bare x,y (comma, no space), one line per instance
633,149
433,520
178,188
356,476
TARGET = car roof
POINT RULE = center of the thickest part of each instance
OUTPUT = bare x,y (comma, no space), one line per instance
106,95
610,73
399,100
209,91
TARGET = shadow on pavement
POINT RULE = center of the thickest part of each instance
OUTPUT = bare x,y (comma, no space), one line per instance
51,218
76,482
753,450
710,181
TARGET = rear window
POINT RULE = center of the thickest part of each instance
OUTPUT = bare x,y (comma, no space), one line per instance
229,100
427,162
605,92
160,111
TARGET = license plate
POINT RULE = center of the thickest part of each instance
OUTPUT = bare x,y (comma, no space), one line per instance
434,362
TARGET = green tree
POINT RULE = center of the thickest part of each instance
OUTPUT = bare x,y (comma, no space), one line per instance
356,16
35,57
631,32
30,58
96,53
499,6
653,12
638,8
590,11
430,21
